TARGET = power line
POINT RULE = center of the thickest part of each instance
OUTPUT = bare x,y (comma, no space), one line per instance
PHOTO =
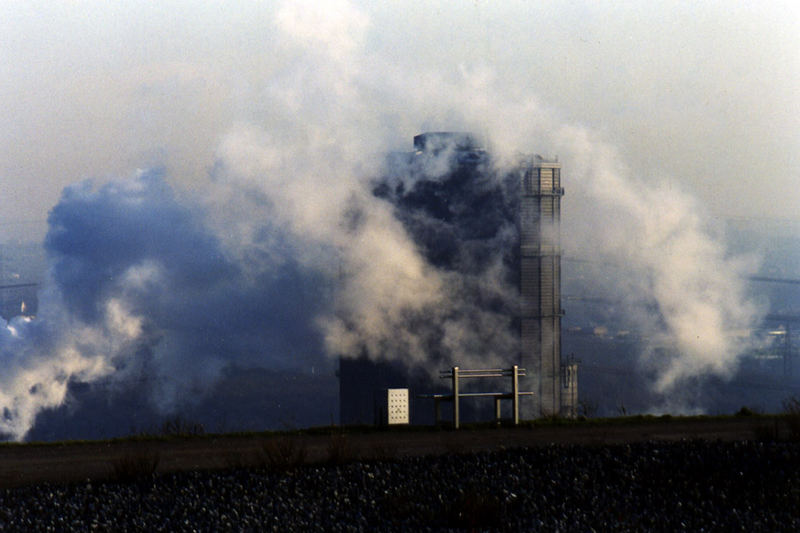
762,279
18,286
774,280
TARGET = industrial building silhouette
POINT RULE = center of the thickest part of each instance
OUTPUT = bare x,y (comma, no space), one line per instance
458,208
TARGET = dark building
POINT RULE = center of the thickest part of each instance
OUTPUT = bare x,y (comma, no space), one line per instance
466,218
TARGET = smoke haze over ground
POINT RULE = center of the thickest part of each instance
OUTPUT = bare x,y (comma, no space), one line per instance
253,237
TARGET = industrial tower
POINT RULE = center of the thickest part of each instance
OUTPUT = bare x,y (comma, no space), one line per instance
554,383
459,213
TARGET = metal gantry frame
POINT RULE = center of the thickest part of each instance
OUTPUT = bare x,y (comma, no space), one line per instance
455,374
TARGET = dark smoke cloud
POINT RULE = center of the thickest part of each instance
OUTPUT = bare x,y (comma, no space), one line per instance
461,212
126,238
139,287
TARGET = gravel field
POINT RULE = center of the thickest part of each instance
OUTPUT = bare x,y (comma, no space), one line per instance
689,485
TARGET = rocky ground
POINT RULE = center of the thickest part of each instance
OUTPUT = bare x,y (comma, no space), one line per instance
688,485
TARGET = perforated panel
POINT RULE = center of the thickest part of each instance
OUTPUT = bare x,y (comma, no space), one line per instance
397,405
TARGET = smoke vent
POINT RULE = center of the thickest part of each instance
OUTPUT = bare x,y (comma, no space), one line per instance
442,140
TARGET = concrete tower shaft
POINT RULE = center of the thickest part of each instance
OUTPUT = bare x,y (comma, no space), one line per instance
540,282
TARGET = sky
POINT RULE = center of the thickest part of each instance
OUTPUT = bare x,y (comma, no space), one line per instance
200,175
704,93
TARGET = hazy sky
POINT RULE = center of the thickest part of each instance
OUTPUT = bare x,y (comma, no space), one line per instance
707,94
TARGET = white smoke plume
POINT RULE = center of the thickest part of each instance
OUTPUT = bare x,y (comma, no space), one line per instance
283,253
682,288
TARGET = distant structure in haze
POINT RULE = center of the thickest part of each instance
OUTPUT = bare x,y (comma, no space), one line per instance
467,217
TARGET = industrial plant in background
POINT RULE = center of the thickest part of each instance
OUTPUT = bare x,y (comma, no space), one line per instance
485,226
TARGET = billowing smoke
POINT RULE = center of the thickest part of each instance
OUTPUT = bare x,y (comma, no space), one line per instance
302,244
390,298
679,287
139,287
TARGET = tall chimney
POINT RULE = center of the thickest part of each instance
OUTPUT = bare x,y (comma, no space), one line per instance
540,283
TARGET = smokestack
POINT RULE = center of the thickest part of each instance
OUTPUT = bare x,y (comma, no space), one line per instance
540,286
